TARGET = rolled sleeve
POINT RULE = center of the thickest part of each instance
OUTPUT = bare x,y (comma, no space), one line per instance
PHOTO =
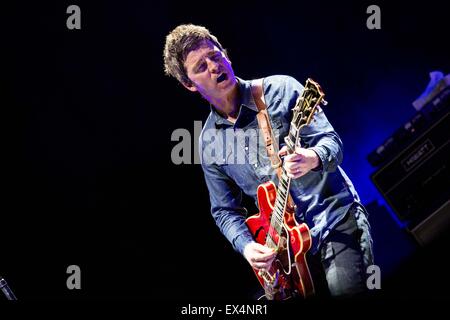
320,136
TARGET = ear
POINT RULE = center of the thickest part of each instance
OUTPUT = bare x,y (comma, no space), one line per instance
190,87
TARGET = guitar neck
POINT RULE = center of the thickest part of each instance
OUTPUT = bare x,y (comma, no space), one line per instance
303,112
281,200
279,208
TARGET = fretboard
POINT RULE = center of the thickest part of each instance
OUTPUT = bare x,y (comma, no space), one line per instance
281,201
303,111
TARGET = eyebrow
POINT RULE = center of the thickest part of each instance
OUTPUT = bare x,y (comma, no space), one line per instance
208,54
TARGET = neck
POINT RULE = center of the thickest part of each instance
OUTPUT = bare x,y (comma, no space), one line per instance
228,106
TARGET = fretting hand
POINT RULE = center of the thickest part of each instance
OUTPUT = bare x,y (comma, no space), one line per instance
300,162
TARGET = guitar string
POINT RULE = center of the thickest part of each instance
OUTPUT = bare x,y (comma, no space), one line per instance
283,190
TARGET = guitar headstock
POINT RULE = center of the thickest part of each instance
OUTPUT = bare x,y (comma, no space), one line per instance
307,104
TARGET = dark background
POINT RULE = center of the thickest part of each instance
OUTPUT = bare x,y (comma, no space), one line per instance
88,116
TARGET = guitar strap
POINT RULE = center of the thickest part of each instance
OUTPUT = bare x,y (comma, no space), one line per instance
266,129
264,125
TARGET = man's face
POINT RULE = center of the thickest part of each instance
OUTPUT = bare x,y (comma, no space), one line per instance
210,72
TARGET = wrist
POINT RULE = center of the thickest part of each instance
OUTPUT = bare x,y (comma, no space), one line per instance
316,163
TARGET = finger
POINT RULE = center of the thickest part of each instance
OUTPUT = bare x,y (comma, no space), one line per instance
296,174
294,157
265,257
294,170
263,249
293,167
268,261
299,150
261,265
283,151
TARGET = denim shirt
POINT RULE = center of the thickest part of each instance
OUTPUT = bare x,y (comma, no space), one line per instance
233,163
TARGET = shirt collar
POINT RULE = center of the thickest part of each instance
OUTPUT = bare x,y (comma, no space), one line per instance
247,101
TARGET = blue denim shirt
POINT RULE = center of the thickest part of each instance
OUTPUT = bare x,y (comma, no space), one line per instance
323,196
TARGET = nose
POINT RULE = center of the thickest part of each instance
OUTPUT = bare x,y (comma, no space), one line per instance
213,66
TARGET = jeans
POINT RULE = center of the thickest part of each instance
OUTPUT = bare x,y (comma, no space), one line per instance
339,267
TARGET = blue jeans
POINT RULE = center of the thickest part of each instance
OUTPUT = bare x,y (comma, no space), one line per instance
339,267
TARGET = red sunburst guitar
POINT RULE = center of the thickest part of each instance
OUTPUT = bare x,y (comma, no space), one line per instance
275,225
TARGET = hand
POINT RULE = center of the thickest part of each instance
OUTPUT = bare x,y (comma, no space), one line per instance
300,162
259,256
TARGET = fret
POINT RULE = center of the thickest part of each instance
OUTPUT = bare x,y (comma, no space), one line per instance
289,143
292,136
286,183
281,189
270,242
277,215
278,212
283,183
278,205
282,196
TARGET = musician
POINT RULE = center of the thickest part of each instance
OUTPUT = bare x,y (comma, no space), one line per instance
324,196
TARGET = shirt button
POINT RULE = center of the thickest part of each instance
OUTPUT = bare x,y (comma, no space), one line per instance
256,165
246,148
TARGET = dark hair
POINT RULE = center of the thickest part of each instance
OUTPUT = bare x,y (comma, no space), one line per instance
179,42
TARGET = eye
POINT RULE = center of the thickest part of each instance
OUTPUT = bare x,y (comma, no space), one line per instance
201,67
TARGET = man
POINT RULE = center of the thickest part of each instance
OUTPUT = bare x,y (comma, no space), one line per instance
325,197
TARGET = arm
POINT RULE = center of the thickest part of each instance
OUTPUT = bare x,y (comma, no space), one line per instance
226,208
322,147
320,137
227,211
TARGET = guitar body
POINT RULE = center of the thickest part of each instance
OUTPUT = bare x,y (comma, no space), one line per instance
289,275
275,226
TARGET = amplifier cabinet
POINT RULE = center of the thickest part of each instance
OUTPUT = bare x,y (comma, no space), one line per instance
416,182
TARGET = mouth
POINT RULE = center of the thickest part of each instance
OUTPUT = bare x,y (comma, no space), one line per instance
222,78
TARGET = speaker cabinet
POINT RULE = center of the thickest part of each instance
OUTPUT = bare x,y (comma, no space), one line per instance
434,226
415,183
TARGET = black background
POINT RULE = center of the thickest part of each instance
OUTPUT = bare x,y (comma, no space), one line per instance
88,116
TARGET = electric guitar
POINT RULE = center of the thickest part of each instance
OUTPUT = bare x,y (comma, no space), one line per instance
275,225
